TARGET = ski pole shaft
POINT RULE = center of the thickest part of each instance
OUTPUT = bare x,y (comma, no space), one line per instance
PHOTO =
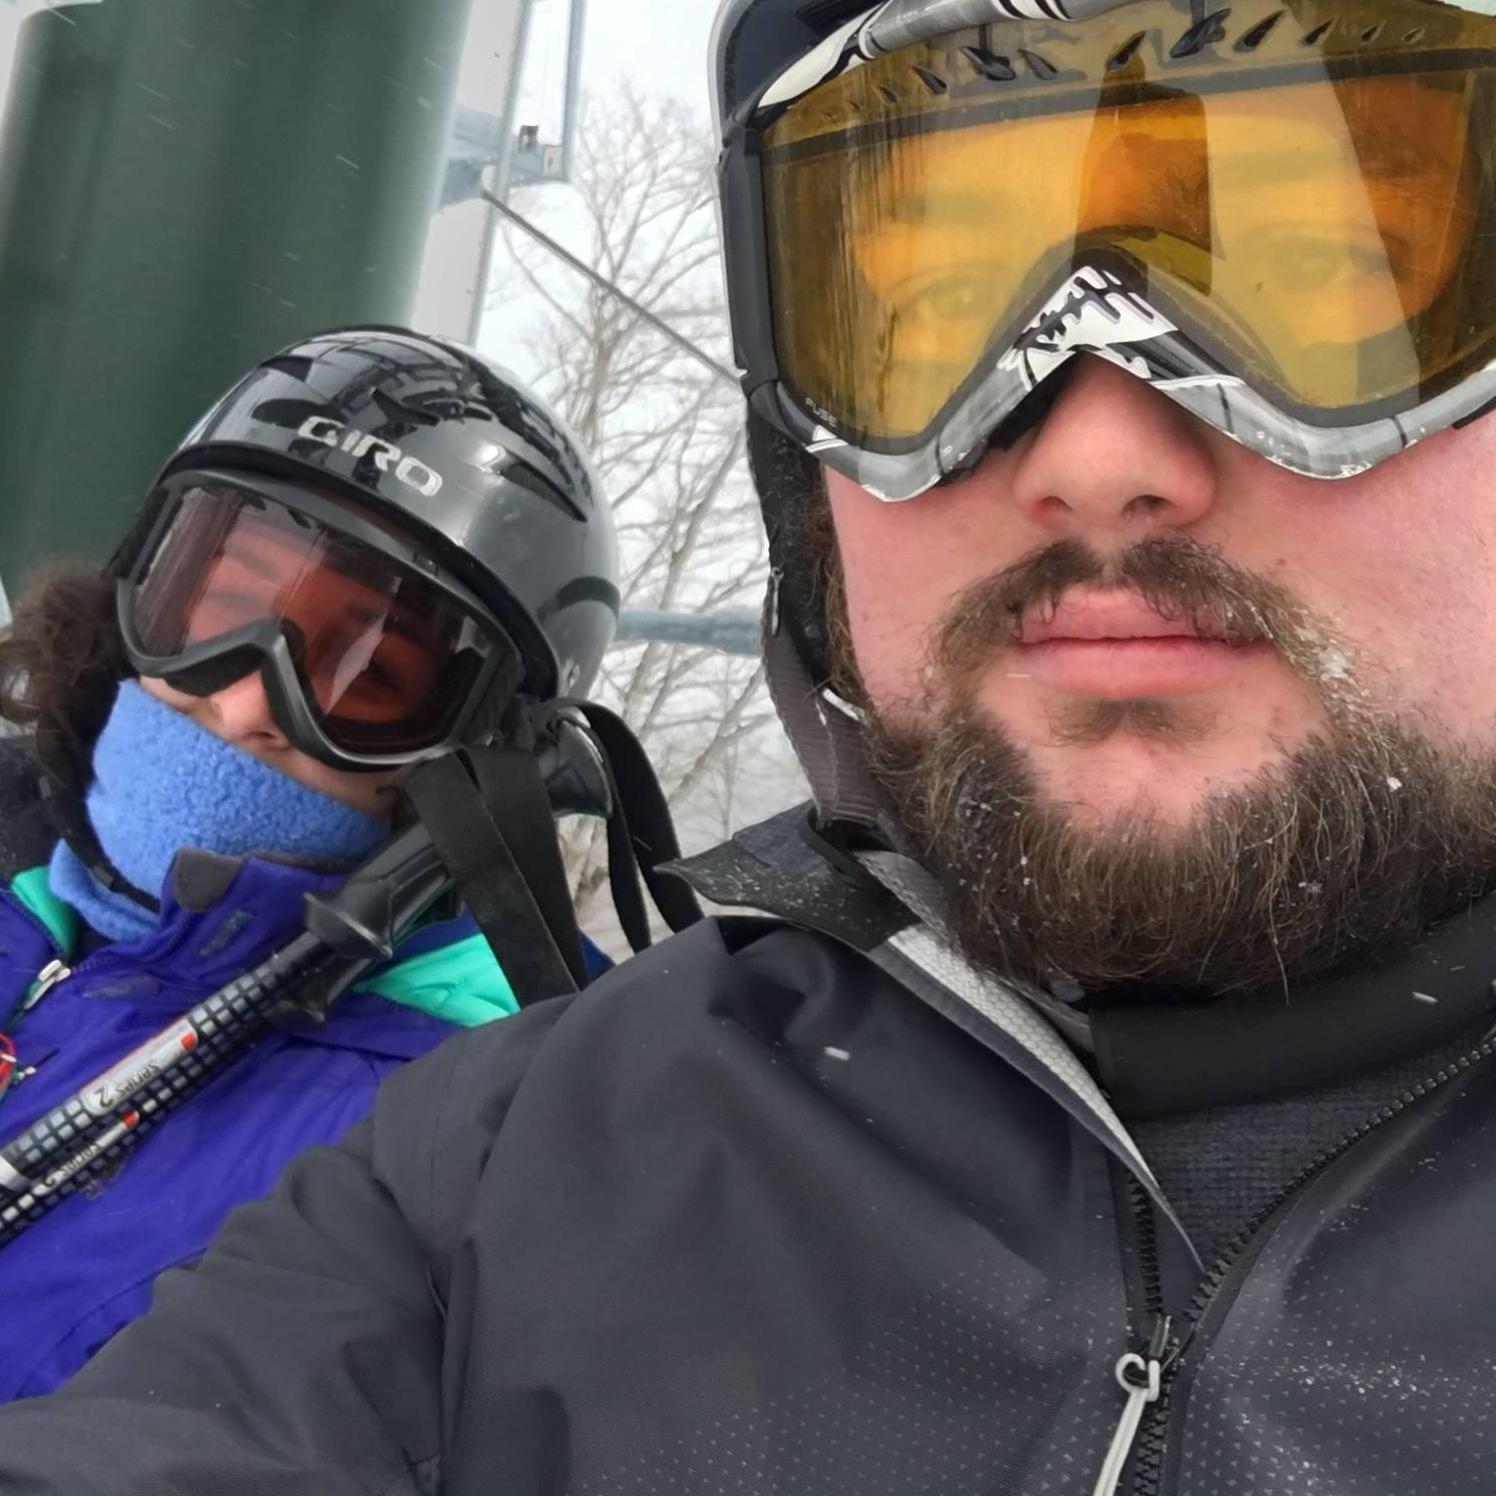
236,1006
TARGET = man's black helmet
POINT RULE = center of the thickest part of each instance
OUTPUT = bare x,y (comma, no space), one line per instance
753,40
453,454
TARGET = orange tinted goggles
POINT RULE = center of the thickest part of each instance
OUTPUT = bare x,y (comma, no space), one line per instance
386,662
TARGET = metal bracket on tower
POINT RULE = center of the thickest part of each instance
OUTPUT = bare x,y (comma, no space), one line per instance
491,153
533,159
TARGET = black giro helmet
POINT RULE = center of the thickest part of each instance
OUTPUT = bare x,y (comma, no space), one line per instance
456,455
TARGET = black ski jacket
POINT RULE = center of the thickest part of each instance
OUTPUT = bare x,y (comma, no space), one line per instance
772,1210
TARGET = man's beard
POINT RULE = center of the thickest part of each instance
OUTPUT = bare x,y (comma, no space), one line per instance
1346,850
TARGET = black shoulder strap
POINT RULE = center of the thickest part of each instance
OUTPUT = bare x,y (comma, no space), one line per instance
623,872
639,803
513,790
489,817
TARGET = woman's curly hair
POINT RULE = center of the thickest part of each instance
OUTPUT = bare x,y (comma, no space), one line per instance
60,661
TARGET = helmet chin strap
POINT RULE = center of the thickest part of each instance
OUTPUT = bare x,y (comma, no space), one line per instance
788,480
490,812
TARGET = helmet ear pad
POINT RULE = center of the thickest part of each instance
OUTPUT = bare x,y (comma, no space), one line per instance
790,487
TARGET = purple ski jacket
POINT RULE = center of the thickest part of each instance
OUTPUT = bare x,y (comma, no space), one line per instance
84,1270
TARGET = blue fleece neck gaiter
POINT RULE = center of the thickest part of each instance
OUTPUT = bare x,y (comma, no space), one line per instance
162,783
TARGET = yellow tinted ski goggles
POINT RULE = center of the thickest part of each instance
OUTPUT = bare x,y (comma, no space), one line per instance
1284,216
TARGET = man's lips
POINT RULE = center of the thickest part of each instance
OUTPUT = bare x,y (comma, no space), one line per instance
1116,615
1112,645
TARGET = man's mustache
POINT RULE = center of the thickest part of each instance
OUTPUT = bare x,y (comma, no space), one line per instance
1176,577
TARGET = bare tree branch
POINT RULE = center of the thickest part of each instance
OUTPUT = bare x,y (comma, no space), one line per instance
667,436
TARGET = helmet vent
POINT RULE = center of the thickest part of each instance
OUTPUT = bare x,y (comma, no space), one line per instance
1254,36
526,477
292,364
1204,33
1041,67
931,80
1126,52
992,67
410,411
430,408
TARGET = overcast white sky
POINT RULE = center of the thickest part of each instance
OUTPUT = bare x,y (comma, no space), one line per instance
660,46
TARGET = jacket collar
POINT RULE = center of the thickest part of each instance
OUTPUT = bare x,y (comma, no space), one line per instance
1149,1058
221,915
782,868
1157,1058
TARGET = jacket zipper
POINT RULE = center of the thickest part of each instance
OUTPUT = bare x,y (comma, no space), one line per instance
1140,1371
1148,1374
1140,1375
51,976
53,973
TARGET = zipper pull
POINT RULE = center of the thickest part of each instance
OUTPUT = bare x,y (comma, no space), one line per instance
1140,1376
46,979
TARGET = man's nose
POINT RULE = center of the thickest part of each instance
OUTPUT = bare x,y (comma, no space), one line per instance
1115,461
240,713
